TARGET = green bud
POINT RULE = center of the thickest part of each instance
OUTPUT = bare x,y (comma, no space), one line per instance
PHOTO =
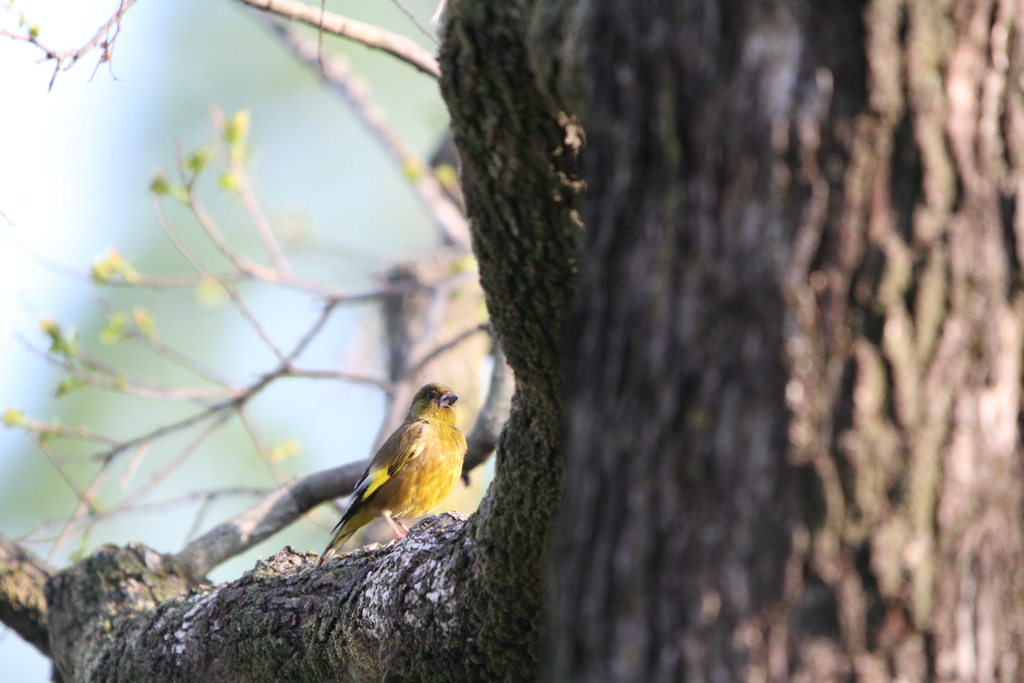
116,328
14,418
67,386
196,161
237,126
145,322
228,182
159,186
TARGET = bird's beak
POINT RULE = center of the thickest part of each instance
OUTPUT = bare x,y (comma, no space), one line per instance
447,399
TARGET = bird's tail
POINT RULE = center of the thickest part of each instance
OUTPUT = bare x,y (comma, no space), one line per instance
342,533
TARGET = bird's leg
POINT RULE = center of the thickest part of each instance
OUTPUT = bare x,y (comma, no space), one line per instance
400,529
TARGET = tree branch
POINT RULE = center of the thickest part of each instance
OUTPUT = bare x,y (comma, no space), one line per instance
72,56
276,511
131,614
22,603
483,439
367,34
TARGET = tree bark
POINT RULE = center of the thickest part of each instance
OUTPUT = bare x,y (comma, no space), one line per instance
795,379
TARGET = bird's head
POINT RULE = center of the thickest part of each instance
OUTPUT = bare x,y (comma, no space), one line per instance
434,401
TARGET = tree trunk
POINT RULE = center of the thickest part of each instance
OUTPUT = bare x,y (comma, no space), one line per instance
795,364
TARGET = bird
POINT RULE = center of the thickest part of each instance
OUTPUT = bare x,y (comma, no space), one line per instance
411,473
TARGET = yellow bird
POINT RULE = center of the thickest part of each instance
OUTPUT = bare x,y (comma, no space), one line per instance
413,471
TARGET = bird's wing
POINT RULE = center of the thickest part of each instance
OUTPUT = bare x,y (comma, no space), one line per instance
403,445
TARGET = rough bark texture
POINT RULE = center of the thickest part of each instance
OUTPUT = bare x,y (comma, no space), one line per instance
22,601
518,177
371,617
677,533
801,311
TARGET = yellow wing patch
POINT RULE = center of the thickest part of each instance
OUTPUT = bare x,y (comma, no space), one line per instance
377,477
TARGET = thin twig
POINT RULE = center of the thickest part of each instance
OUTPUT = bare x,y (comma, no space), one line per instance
415,21
177,461
189,364
367,34
200,516
249,201
250,267
261,443
336,73
59,466
72,56
116,279
111,453
36,535
448,346
207,223
123,381
84,506
80,433
381,384
312,331
122,384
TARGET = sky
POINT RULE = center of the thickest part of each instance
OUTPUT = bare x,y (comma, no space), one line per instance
75,165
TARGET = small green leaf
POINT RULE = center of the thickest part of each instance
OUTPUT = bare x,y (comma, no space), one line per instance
159,186
237,126
145,322
162,187
196,161
116,328
228,182
33,31
69,385
111,263
60,342
14,418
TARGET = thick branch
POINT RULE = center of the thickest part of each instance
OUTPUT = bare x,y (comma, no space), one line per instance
22,603
128,614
